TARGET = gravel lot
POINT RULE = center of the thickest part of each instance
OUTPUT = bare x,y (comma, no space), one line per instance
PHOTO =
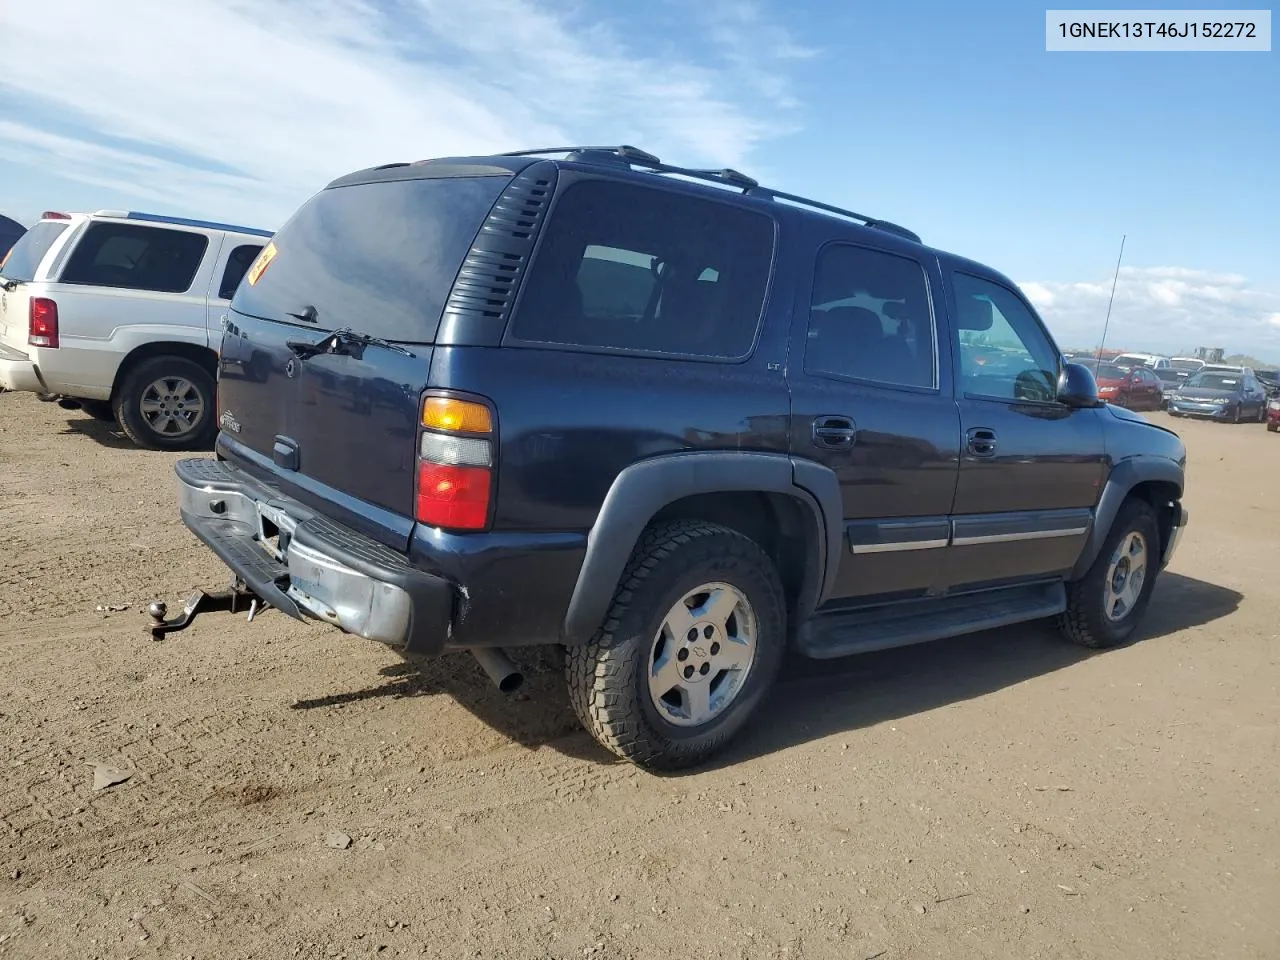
1001,795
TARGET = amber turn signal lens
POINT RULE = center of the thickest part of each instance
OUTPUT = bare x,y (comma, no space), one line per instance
446,413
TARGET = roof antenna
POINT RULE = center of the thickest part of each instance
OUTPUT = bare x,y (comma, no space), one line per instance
1107,322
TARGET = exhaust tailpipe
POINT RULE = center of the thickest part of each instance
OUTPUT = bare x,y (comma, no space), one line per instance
66,403
505,675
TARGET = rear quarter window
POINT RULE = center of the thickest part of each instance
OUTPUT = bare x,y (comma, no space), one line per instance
24,257
378,257
133,257
633,269
237,263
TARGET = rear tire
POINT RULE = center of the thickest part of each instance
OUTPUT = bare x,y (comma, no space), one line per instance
690,646
1105,605
167,403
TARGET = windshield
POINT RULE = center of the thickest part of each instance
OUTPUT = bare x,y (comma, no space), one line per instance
1129,360
1215,381
1111,371
24,259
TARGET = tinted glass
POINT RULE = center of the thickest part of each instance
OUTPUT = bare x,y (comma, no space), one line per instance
377,257
870,318
136,258
1110,371
1186,365
237,264
640,270
1004,354
24,256
1216,381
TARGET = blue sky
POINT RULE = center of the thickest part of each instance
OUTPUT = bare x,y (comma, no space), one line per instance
947,117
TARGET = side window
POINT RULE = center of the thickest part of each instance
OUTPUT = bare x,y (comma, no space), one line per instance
237,265
1003,353
647,271
870,318
136,257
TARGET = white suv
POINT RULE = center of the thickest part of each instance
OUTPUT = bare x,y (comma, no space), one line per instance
1149,360
120,314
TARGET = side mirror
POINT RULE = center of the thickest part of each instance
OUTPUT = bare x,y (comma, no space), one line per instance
1077,388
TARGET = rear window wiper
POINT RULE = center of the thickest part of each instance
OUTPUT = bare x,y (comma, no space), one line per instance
345,341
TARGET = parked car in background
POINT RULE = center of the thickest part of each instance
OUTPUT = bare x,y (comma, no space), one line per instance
10,232
1270,380
1150,360
517,400
1170,381
1273,413
120,314
1134,386
1220,392
1186,366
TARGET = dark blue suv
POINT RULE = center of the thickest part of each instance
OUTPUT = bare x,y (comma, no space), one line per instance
669,419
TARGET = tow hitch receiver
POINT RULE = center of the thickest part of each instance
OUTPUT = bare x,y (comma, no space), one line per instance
235,598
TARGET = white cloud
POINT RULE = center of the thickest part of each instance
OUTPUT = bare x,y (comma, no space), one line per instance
1166,309
238,109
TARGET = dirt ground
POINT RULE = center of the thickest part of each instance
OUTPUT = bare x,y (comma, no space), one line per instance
1001,795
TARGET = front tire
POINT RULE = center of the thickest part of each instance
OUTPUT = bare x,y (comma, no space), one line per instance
690,646
1105,605
167,403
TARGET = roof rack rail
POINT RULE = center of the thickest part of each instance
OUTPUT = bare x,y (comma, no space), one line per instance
634,156
186,222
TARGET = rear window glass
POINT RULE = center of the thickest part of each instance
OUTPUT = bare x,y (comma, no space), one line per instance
639,270
24,256
237,263
135,257
379,257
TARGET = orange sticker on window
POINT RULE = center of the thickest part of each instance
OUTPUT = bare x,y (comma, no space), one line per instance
260,265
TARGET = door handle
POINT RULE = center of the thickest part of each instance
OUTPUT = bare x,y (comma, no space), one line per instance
834,432
981,441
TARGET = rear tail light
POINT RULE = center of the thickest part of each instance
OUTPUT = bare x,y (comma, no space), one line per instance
54,215
455,464
42,328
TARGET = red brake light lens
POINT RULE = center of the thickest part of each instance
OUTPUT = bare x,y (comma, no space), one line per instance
42,329
455,463
453,497
54,215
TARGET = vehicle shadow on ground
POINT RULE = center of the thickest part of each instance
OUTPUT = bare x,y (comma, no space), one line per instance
103,432
108,434
537,714
813,699
816,699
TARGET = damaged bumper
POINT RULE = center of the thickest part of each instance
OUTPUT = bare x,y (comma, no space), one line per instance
307,566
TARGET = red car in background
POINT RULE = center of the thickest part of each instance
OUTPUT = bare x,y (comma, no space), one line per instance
1273,414
1135,387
